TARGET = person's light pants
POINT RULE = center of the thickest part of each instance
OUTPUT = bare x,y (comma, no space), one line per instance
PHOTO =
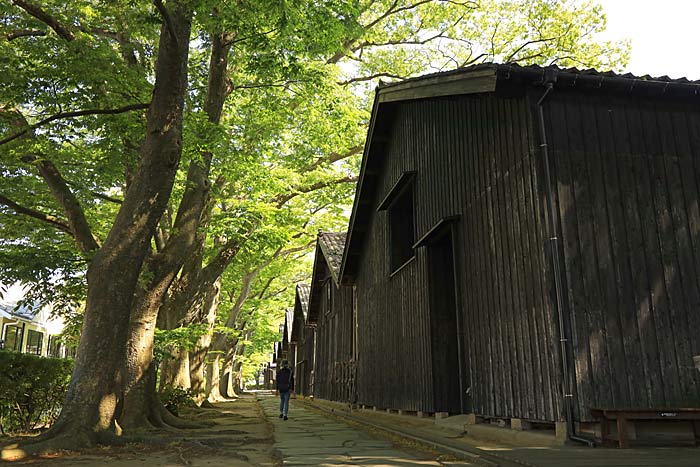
284,402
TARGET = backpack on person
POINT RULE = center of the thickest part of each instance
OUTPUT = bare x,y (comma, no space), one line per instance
284,380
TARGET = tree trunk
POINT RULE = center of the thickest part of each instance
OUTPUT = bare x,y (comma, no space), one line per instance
185,239
176,370
213,379
226,383
199,355
99,375
142,408
238,376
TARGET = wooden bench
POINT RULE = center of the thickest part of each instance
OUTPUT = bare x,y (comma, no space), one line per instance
621,416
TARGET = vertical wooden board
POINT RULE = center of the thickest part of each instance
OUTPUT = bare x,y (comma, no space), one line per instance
602,322
500,260
658,325
686,277
470,221
536,376
519,235
629,185
690,166
498,385
537,271
478,225
473,223
668,253
472,244
611,233
462,243
490,396
509,340
495,209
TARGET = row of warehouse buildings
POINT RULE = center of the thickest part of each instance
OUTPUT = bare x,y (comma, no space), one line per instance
524,244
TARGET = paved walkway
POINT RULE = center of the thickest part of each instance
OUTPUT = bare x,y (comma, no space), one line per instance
537,456
311,439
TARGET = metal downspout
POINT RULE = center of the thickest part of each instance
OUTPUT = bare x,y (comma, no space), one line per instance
554,242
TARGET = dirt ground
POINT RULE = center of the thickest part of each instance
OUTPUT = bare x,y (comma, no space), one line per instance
239,437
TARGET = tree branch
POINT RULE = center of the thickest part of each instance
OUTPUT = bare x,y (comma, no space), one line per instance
24,33
511,56
370,77
73,114
96,194
46,18
60,224
334,157
399,42
280,200
71,206
168,20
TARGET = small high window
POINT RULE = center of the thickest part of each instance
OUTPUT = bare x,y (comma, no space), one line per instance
401,228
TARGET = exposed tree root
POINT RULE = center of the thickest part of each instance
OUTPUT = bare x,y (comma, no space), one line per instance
65,440
178,422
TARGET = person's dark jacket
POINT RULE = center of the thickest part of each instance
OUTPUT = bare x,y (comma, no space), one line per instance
285,380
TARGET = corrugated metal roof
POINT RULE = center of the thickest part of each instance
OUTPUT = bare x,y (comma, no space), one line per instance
536,72
332,245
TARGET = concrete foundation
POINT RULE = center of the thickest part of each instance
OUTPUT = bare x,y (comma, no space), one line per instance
520,424
560,432
441,415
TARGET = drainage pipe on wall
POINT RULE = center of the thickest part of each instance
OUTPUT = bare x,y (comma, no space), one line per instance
554,243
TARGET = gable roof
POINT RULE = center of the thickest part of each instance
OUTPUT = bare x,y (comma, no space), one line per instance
14,310
302,299
327,261
301,311
332,245
288,320
481,78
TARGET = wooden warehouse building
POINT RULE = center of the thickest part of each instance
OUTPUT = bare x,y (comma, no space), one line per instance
303,338
288,346
332,310
524,243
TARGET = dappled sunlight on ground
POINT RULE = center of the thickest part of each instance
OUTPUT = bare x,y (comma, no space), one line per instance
239,438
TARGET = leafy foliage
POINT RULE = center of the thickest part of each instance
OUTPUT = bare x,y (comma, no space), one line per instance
32,389
175,399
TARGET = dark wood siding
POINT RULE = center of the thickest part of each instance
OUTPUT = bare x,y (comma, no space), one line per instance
474,156
306,362
627,176
334,365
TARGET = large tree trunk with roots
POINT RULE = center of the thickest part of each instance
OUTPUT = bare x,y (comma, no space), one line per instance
142,408
99,376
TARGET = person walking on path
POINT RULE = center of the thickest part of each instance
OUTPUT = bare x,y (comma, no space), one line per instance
285,387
